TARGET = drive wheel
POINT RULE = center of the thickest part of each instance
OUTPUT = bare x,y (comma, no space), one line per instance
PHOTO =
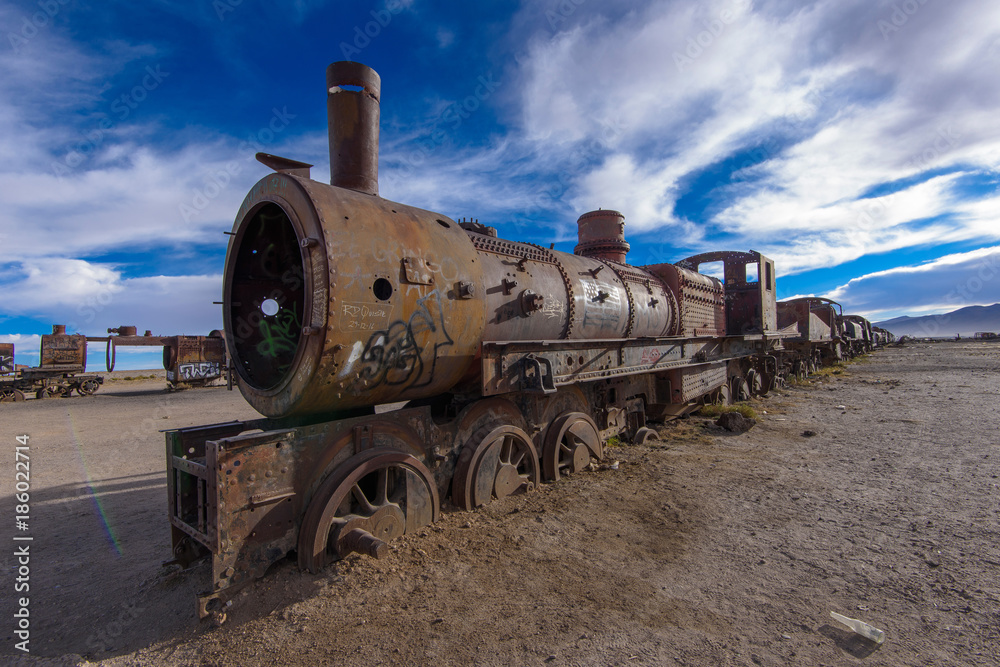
495,463
88,387
571,441
371,498
11,395
49,391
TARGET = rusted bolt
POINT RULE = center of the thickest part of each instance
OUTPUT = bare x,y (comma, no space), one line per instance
601,296
593,272
508,284
308,242
521,263
531,302
310,331
466,290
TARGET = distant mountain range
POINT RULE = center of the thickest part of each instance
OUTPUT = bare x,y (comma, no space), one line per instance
964,321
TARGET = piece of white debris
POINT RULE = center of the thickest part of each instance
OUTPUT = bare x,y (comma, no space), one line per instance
860,627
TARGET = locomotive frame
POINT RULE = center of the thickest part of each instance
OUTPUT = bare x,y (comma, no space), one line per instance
514,363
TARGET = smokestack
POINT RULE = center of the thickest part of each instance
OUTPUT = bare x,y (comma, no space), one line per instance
602,236
58,329
353,118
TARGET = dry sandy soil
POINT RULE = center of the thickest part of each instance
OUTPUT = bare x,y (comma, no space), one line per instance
705,549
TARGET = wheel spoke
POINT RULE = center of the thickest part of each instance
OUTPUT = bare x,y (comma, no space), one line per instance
520,457
505,448
382,488
359,495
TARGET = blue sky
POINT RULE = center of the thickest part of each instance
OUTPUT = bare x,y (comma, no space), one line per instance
855,142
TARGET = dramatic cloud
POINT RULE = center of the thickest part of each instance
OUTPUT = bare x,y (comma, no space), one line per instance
947,283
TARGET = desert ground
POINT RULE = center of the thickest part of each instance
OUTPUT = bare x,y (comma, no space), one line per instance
870,490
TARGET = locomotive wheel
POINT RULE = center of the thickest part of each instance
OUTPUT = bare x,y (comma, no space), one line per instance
11,396
570,442
741,390
756,383
88,387
644,435
48,392
371,498
495,463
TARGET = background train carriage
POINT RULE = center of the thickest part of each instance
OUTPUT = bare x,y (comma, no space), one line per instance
61,369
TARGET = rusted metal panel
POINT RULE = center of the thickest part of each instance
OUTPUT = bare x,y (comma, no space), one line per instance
653,308
524,288
815,318
417,271
600,306
63,350
194,358
700,300
693,382
6,358
505,364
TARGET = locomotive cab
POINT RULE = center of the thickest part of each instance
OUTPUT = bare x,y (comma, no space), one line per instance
750,295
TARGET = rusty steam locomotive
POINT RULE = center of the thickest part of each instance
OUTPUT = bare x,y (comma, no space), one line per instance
515,362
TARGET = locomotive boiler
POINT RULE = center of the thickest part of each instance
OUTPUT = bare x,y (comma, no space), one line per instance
515,361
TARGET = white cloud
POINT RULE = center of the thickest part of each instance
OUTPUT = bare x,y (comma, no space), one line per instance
89,298
833,106
944,284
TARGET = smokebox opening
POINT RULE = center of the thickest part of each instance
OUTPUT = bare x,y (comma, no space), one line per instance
266,297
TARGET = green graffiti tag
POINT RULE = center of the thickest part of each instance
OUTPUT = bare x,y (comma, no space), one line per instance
279,334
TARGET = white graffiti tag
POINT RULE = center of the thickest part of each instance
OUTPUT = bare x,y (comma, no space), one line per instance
200,371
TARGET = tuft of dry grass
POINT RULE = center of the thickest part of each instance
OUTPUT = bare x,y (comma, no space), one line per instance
715,409
839,368
134,378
